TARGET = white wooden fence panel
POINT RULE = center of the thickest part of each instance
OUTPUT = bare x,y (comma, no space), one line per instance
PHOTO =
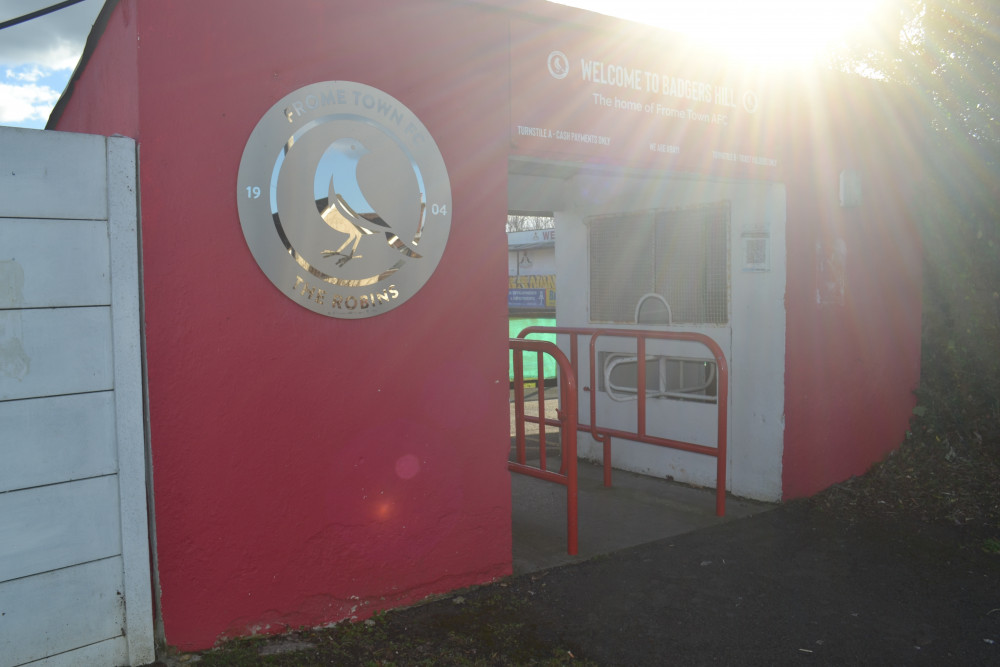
60,611
34,185
49,440
54,351
61,262
123,223
75,585
55,526
112,651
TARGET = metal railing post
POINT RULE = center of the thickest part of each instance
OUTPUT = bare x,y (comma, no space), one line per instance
567,423
604,435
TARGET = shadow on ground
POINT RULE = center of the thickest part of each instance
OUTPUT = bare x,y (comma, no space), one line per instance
794,585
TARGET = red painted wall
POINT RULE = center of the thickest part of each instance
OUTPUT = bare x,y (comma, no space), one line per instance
308,469
853,295
624,99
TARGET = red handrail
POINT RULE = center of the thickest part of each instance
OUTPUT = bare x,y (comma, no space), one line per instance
567,422
604,435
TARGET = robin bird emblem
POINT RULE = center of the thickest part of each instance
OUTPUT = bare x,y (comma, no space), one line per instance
345,208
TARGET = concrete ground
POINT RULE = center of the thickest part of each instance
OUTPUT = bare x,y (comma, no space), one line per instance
635,510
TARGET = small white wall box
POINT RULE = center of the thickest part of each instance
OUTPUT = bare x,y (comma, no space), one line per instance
850,188
756,252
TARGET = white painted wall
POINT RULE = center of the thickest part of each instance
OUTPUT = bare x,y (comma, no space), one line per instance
74,551
753,341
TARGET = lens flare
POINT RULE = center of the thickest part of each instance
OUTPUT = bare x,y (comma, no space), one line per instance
779,33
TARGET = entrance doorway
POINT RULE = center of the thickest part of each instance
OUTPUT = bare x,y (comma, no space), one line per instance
660,251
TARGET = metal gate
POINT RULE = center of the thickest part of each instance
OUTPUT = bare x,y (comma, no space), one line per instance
74,550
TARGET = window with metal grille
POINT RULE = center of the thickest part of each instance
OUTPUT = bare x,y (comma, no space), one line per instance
682,255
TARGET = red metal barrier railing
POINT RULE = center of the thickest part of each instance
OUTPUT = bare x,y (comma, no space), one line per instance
566,421
604,435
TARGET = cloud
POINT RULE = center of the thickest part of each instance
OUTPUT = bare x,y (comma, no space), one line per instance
30,74
36,57
53,41
23,103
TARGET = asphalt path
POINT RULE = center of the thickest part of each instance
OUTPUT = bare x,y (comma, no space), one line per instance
794,585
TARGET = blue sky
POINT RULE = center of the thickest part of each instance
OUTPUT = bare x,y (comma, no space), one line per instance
37,57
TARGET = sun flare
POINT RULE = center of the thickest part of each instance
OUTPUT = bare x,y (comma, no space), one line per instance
783,33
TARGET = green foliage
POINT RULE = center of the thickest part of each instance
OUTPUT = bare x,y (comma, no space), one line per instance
948,53
947,50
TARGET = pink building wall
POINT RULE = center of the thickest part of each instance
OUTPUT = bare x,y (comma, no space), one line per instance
853,296
306,468
309,469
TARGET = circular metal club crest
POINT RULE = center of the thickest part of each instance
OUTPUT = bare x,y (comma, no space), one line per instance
344,199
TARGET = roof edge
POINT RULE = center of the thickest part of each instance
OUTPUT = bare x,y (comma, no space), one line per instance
100,25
